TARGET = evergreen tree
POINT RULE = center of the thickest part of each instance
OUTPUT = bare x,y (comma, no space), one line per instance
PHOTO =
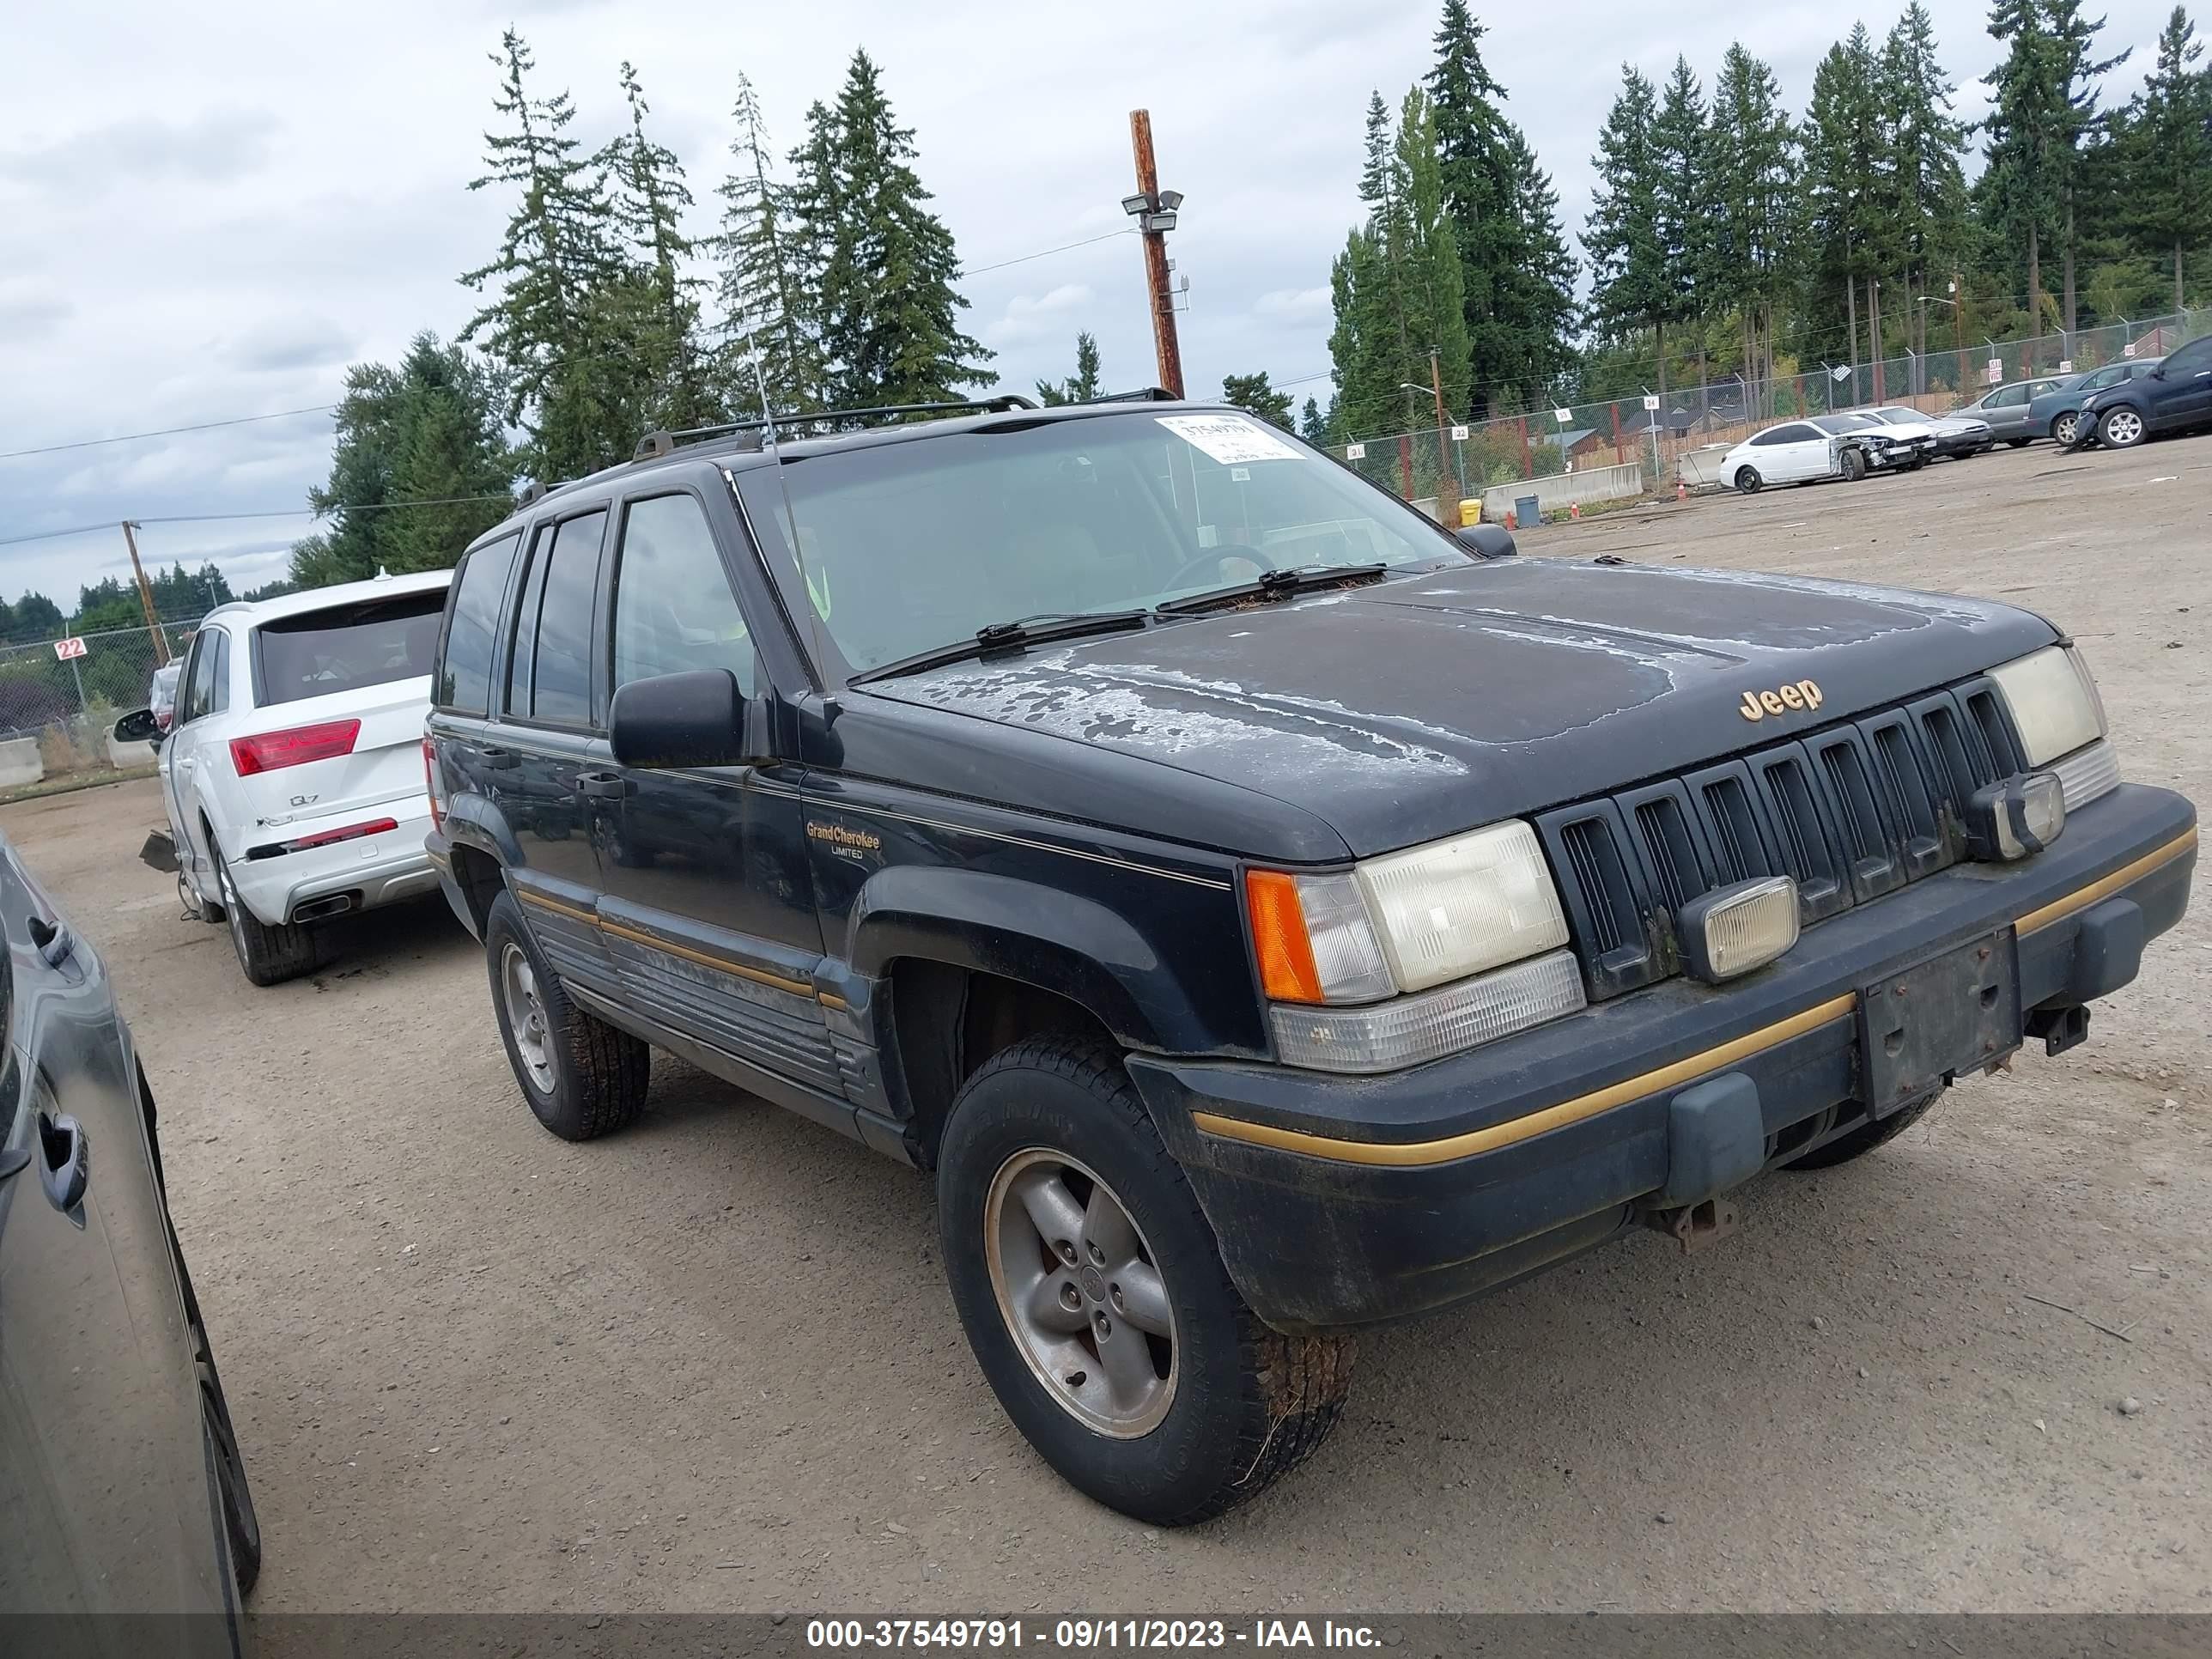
767,287
2019,189
1082,386
1252,392
559,248
1436,319
1680,186
428,431
890,312
1313,425
1627,255
1844,149
2079,124
1753,181
34,617
1923,196
2166,152
655,328
1536,296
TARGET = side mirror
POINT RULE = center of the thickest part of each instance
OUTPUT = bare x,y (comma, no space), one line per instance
1486,541
137,726
693,719
2158,372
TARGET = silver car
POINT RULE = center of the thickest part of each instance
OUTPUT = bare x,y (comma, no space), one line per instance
2005,408
1957,437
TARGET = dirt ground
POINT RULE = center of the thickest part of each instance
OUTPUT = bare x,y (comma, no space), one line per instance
711,1364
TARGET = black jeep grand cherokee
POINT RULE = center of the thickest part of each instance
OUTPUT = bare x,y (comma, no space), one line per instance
1265,914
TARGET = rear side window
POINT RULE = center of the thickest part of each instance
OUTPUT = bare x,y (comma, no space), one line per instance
551,675
347,647
219,689
465,676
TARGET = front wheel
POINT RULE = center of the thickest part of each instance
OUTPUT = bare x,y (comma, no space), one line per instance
2065,428
2120,428
1854,465
1093,1294
1747,480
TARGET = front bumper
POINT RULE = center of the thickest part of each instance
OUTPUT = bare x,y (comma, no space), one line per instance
373,870
1344,1202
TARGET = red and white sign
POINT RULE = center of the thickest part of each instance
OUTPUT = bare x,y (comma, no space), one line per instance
2129,349
64,649
1995,371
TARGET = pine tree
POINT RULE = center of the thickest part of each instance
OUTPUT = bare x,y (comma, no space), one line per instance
1678,154
1252,392
767,291
2080,124
1752,181
891,315
1627,255
1082,387
559,247
1925,185
1313,425
1844,151
427,430
814,200
2019,189
2166,151
667,370
1436,317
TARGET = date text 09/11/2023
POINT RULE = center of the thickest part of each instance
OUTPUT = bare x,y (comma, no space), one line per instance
987,1635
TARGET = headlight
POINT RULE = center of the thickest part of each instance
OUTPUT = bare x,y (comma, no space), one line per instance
2054,702
1432,916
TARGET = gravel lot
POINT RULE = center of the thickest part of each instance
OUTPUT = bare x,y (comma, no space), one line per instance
711,1364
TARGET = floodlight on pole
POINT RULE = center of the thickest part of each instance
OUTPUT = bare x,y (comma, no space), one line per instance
1154,211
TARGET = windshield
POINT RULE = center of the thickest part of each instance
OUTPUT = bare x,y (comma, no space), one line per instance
908,546
1840,424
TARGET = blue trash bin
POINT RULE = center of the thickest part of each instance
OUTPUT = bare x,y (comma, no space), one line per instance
1529,512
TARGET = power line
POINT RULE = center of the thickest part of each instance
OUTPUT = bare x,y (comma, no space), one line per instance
271,513
167,431
1023,259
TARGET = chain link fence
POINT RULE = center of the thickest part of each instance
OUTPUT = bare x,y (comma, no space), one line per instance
1651,432
56,712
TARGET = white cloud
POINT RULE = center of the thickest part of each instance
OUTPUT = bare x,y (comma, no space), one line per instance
1031,318
1293,305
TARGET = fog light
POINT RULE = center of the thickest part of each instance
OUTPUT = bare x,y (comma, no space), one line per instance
2015,819
1732,930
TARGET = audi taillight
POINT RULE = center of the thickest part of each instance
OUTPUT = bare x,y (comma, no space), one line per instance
430,785
268,751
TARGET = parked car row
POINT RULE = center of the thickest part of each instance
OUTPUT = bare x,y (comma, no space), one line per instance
1847,445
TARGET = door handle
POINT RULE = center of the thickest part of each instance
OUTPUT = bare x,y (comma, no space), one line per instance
602,785
65,1163
499,760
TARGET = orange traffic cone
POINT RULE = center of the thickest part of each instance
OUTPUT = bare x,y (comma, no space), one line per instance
1509,525
1681,490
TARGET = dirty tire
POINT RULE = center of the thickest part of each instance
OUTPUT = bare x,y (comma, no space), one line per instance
1249,1405
600,1073
268,956
1864,1139
1854,465
1747,481
2018,443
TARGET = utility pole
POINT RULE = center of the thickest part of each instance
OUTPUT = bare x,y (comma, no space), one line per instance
145,595
1448,474
1155,212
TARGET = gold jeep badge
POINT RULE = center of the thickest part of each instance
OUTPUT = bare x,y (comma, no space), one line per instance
1757,705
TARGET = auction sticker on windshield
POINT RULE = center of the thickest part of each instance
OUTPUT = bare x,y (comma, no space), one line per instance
1229,440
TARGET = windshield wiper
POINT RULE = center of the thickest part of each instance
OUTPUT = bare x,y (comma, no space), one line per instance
1013,635
1275,585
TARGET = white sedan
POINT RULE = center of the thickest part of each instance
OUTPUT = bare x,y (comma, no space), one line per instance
1822,446
293,773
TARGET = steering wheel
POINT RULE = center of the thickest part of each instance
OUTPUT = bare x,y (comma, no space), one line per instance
1214,558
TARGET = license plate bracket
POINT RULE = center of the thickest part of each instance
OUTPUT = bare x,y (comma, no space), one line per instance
1952,1014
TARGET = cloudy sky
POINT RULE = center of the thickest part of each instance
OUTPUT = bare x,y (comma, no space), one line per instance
208,216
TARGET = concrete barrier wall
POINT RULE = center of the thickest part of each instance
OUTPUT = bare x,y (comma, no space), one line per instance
124,754
20,762
1596,484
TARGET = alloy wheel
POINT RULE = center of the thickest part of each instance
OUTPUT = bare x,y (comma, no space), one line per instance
2064,429
526,1016
2123,427
1081,1293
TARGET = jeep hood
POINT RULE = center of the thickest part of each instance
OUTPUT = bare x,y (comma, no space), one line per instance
1432,702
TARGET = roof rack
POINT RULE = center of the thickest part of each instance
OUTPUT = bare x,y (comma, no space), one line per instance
1146,394
655,445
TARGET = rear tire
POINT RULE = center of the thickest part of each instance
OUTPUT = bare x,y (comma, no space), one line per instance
268,955
2064,429
582,1077
2018,443
1858,1142
1052,1127
1747,481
